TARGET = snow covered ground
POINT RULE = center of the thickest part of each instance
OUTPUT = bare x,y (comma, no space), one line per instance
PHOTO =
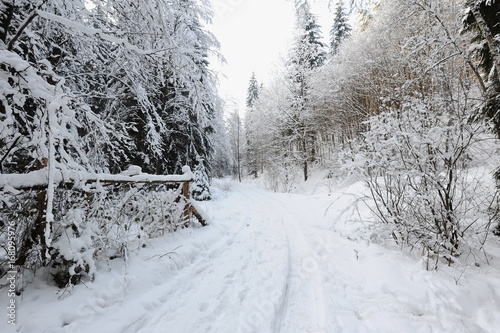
269,262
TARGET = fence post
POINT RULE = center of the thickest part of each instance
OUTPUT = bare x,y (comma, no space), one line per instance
187,208
37,234
185,190
41,221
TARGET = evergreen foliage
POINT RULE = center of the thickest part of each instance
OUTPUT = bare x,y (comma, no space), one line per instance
253,91
252,155
201,185
146,74
341,29
308,51
307,55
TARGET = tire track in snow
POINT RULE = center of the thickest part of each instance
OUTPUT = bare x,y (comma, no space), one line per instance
283,303
302,305
304,310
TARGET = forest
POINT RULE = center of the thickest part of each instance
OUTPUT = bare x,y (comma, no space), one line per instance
407,101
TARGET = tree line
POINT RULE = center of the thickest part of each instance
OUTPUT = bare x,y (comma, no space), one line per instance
407,102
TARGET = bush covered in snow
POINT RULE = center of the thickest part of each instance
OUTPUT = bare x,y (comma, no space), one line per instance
421,169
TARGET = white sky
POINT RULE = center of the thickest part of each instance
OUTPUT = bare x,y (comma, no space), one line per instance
253,35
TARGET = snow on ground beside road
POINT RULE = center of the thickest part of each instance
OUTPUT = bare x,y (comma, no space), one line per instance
269,262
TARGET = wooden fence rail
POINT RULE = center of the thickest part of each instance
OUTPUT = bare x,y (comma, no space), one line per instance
38,180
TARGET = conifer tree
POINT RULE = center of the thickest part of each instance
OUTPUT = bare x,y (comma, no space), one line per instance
201,189
93,90
252,92
307,55
251,151
341,29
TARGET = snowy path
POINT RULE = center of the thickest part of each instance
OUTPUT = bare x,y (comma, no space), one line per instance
269,263
227,288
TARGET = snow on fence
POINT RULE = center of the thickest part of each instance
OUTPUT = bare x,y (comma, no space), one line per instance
38,180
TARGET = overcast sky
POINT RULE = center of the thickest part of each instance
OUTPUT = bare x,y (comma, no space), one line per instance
252,34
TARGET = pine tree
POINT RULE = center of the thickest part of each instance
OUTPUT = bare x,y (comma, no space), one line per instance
44,121
168,95
193,99
307,55
309,49
341,29
253,91
201,185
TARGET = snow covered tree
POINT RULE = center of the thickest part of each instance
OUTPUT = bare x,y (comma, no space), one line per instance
306,56
195,96
173,98
287,112
252,155
482,17
252,92
222,154
274,145
201,185
308,51
341,29
416,163
44,121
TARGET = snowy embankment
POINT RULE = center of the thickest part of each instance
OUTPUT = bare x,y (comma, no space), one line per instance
269,262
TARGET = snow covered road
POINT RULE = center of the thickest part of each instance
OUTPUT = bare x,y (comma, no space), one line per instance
268,262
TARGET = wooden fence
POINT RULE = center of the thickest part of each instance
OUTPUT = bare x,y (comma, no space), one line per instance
42,179
39,180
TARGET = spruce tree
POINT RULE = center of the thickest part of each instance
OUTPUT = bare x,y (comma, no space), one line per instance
307,55
252,92
169,96
309,49
341,29
194,101
201,188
